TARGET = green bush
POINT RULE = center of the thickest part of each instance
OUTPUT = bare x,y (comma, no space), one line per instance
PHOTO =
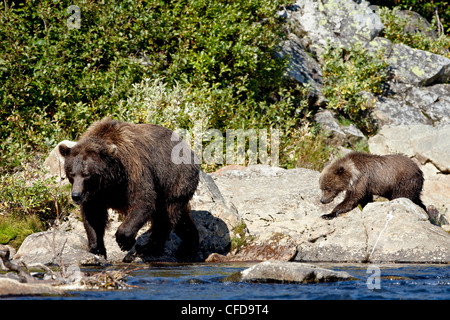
57,80
346,74
29,203
394,30
26,193
425,8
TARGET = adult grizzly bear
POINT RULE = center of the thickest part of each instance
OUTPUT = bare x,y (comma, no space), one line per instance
128,167
363,175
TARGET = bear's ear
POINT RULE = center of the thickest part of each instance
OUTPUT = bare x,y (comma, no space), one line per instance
112,149
64,150
339,170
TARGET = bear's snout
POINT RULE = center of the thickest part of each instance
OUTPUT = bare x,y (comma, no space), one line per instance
76,197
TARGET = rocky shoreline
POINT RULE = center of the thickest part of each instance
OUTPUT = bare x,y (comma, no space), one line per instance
270,214
260,213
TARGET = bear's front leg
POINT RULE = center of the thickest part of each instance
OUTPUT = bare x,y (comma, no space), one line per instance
350,202
126,233
95,218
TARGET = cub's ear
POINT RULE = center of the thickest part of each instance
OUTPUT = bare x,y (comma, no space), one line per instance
339,170
64,150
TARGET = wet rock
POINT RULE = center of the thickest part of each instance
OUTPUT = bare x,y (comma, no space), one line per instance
287,272
12,287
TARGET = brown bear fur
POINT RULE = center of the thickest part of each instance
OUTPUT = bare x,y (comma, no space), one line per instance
363,175
128,167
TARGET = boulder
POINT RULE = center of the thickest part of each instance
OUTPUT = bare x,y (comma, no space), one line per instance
12,287
418,67
395,231
287,272
339,22
286,204
410,105
54,164
302,67
339,135
429,146
53,247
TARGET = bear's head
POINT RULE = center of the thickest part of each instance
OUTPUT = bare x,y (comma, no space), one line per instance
86,164
334,179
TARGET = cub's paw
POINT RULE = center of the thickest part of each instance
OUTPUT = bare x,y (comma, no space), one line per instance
329,216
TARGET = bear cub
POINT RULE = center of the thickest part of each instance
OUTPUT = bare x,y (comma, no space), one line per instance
363,175
129,168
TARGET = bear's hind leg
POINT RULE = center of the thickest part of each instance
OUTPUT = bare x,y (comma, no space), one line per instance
187,231
159,232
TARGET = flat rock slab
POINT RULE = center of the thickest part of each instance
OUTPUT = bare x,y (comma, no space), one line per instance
288,272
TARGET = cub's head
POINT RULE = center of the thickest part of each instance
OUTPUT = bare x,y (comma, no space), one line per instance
337,177
85,166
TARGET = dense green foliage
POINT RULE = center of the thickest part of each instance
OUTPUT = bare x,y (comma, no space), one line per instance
425,8
190,64
347,73
394,30
57,80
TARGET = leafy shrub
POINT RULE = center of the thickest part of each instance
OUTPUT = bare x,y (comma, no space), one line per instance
28,204
425,8
394,30
57,80
26,193
348,73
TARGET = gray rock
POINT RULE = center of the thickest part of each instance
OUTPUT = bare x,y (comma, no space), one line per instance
425,143
54,164
287,204
410,105
418,67
416,23
340,22
429,146
302,68
339,135
394,231
53,248
288,272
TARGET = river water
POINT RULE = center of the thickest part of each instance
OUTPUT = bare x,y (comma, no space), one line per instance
202,281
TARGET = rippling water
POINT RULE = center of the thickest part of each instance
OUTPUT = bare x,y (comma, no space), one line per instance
203,282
